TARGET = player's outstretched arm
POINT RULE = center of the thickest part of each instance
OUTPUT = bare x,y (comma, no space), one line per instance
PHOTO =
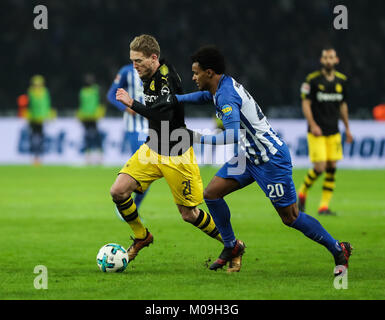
228,136
172,100
199,97
149,113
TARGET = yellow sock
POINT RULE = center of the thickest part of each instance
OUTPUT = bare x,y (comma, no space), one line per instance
127,210
327,188
206,223
310,178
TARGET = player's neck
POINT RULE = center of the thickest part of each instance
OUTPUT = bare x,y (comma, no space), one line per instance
328,74
156,67
214,83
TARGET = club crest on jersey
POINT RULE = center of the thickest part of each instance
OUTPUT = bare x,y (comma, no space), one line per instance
226,109
338,88
152,85
305,88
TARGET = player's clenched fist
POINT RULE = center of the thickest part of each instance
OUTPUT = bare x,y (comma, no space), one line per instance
123,96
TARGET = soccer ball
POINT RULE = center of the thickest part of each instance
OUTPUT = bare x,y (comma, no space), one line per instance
112,257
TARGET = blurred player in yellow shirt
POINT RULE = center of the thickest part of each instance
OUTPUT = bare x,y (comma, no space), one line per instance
324,97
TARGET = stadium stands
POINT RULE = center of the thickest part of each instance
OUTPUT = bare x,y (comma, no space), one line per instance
272,44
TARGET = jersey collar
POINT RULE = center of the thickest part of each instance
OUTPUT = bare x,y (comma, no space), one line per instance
219,84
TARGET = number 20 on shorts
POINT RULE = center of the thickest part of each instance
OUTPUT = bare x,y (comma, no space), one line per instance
275,190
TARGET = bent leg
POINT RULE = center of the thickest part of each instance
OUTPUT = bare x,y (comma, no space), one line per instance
309,226
213,195
123,186
328,185
200,219
121,192
317,155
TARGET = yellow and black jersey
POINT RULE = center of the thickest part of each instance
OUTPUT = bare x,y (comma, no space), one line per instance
164,82
326,98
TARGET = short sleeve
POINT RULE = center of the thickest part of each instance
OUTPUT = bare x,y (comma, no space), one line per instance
345,92
306,90
229,105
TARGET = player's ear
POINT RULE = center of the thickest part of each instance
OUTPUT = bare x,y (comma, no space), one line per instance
210,73
337,60
154,57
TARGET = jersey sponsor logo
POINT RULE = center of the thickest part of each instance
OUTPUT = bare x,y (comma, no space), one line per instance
338,87
165,90
305,88
226,109
150,98
117,78
326,97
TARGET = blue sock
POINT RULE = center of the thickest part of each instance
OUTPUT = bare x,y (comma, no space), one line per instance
221,214
139,198
312,229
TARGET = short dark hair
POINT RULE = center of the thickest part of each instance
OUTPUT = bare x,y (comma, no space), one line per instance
328,47
209,57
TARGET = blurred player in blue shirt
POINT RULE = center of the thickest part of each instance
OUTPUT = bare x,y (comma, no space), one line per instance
136,126
266,160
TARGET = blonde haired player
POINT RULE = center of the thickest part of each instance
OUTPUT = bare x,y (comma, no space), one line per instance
161,155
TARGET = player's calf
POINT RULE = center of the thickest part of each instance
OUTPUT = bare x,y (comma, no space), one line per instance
288,214
202,220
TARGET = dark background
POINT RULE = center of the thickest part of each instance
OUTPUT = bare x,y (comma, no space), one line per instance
270,46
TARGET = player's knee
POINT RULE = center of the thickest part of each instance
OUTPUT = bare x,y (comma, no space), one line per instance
319,168
210,194
188,214
118,194
187,217
289,214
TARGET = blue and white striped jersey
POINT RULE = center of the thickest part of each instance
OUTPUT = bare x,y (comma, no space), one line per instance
233,103
128,79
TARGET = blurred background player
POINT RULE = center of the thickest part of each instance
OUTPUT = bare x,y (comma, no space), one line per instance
323,97
89,112
39,110
135,125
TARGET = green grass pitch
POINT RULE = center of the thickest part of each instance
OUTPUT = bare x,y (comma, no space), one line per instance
59,217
